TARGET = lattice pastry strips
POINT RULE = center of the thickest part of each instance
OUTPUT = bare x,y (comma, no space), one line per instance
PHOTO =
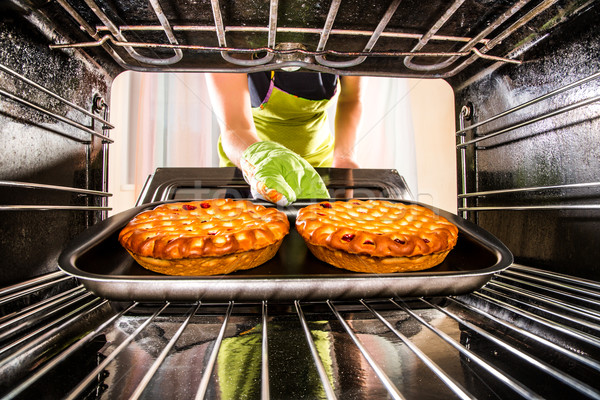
376,236
204,237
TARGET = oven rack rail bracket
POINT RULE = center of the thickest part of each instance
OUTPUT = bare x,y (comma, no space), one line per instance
466,114
99,114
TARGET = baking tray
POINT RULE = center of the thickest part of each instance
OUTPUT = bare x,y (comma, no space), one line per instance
97,259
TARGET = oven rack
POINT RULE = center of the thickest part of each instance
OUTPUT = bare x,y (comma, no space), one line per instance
117,32
462,144
99,105
543,324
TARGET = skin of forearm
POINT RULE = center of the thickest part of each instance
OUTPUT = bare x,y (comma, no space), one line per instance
235,142
231,104
347,121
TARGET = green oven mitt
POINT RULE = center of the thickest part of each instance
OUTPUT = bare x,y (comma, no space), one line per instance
279,175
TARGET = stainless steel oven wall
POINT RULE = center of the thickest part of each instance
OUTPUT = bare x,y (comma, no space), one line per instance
541,162
52,168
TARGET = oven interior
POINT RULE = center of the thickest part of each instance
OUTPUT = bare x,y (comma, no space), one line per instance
525,78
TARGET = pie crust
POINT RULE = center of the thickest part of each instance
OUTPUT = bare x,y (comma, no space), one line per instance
376,236
208,237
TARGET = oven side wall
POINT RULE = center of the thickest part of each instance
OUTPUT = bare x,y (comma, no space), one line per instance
560,230
39,148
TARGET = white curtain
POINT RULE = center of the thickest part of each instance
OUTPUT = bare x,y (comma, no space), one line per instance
175,126
386,138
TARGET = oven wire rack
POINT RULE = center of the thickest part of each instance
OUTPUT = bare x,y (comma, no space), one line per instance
528,333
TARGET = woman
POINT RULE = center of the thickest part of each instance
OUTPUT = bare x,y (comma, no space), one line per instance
274,127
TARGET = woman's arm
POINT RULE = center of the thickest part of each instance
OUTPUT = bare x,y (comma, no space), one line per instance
347,120
231,103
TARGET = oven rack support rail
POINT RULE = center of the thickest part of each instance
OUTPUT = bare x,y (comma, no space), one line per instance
99,106
546,322
111,36
462,144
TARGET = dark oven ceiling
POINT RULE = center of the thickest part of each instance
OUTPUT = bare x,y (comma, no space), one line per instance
410,38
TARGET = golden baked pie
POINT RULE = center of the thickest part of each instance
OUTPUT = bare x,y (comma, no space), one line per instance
376,236
208,237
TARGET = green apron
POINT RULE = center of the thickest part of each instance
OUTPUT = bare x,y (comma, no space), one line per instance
297,123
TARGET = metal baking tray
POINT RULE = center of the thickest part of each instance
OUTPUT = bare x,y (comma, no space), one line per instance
105,268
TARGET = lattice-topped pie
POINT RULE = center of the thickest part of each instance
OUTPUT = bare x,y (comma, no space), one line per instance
207,237
376,236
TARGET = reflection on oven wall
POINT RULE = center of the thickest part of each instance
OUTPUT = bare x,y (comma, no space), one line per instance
166,120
